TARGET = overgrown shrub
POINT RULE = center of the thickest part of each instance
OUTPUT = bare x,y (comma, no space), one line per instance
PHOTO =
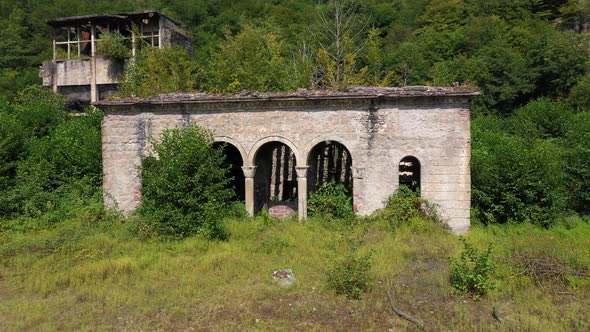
580,95
50,161
471,273
517,179
156,71
577,166
406,205
185,188
350,275
113,45
330,202
236,210
253,59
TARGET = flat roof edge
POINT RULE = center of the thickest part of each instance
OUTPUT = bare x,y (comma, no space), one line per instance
300,95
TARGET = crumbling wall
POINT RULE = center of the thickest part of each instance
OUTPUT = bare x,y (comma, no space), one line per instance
377,133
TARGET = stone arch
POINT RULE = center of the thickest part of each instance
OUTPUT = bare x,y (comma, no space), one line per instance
275,180
238,146
410,173
319,139
254,150
329,161
234,161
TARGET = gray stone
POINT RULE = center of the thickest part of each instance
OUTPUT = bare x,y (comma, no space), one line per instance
284,277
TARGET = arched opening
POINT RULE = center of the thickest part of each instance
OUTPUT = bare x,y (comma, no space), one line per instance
275,182
234,162
409,173
329,161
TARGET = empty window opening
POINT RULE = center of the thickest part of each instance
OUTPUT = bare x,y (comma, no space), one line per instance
409,173
329,161
276,179
234,163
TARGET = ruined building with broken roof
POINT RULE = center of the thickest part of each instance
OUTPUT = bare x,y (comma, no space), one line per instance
281,146
79,72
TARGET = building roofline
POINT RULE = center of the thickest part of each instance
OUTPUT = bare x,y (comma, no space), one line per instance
354,93
85,19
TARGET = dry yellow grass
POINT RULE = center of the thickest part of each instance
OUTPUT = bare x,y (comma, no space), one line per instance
89,275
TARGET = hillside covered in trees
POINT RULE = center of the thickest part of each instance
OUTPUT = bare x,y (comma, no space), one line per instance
529,58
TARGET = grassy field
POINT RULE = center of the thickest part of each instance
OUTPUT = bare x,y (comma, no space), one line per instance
92,273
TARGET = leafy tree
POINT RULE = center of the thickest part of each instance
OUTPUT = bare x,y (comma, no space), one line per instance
185,188
577,165
542,119
374,59
575,15
580,95
340,33
155,71
253,59
444,15
49,161
515,179
408,64
497,69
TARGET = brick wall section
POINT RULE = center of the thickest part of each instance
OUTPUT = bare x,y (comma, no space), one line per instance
378,131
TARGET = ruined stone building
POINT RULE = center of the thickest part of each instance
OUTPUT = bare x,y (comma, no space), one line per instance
81,73
281,146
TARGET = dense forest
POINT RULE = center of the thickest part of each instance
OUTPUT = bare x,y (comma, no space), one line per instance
529,58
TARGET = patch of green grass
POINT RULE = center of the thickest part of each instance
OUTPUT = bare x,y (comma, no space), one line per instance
92,273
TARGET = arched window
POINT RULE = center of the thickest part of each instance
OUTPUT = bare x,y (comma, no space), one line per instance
329,161
409,173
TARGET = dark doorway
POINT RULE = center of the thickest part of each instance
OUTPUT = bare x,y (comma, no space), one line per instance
329,161
234,162
276,178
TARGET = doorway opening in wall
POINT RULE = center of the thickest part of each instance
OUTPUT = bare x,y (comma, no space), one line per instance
275,182
233,162
409,173
329,161
329,181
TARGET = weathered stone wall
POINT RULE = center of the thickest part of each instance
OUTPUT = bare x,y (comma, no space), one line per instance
77,72
378,132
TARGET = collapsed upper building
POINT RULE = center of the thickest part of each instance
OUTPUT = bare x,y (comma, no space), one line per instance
81,73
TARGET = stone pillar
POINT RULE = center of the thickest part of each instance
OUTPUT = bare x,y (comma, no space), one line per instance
358,191
302,192
93,88
249,173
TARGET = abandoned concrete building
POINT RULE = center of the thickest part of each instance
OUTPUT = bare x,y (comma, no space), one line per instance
281,146
80,72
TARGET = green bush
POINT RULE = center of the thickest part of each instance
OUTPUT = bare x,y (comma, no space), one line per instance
156,71
471,273
516,179
350,275
405,205
50,162
331,202
580,95
185,188
253,59
113,45
577,166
